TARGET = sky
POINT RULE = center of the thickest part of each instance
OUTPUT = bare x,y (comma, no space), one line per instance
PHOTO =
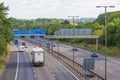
32,9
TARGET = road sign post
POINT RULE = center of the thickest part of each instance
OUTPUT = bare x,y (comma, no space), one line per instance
88,64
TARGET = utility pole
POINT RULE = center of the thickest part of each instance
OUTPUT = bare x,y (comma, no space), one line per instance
73,18
105,36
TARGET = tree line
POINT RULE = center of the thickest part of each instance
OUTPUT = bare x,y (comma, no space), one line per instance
97,26
5,29
113,27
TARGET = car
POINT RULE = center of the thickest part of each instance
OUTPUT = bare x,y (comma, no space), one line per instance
53,45
94,54
74,49
24,44
44,41
39,40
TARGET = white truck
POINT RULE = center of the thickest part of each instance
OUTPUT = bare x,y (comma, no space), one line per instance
21,48
38,56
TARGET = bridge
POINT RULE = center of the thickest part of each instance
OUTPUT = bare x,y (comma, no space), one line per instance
75,36
62,33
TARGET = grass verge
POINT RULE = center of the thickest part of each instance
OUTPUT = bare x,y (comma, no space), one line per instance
3,59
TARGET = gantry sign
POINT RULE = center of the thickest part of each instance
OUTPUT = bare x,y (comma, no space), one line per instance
75,33
29,33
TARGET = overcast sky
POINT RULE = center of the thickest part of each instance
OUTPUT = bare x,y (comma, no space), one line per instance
32,9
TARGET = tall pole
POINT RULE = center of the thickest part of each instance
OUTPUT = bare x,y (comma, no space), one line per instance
58,41
106,43
105,36
73,18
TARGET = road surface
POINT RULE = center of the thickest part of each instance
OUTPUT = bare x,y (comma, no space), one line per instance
53,69
113,64
10,69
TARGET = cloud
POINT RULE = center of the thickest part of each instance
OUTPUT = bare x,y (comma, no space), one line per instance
57,8
24,2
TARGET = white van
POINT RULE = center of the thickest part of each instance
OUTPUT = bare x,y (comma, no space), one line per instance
21,48
38,56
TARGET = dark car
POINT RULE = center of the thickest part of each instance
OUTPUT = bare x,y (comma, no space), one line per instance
54,45
74,49
24,44
94,54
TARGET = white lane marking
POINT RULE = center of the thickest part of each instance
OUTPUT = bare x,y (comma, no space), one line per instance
34,71
34,75
115,61
16,75
68,70
53,75
101,67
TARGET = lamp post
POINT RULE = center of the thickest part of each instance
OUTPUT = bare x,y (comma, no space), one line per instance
105,36
57,35
73,18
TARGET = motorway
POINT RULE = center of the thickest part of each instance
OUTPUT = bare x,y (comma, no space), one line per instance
20,67
53,70
113,64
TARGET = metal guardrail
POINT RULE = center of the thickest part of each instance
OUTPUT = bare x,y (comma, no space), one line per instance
88,75
67,62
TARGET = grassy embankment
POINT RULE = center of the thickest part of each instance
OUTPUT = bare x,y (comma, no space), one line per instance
3,59
111,51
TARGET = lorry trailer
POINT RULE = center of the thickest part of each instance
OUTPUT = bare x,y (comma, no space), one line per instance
38,56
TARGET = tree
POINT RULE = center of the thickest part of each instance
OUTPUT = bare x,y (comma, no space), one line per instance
5,29
97,32
113,31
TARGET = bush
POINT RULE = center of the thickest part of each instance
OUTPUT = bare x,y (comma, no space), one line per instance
3,45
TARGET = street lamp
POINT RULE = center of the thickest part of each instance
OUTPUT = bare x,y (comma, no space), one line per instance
105,36
57,34
73,18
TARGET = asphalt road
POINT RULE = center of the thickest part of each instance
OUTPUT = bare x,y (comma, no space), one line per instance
10,69
25,71
113,64
52,70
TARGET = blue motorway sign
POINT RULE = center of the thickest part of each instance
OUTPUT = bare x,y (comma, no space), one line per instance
20,32
37,31
32,31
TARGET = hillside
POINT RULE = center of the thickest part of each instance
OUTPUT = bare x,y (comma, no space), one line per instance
110,17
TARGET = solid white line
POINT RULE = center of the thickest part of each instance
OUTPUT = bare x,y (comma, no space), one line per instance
68,71
16,75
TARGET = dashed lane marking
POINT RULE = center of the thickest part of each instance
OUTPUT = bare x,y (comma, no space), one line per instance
53,75
35,75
